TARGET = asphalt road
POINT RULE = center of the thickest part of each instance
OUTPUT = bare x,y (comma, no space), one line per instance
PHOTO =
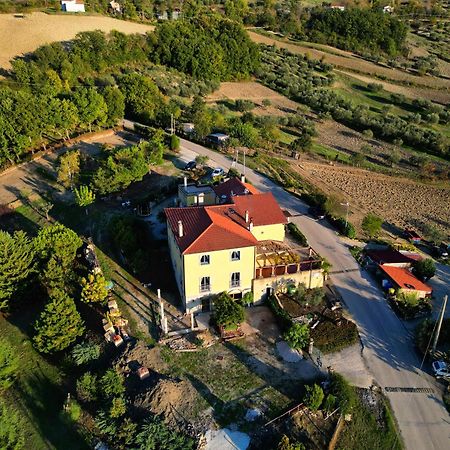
387,344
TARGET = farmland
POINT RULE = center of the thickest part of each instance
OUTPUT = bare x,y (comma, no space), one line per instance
20,36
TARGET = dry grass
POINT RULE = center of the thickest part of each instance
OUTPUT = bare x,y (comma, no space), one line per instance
20,36
349,61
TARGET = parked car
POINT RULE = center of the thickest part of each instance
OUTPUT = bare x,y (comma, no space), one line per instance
217,172
440,369
191,165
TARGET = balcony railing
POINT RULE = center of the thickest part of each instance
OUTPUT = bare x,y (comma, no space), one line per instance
205,288
286,269
235,283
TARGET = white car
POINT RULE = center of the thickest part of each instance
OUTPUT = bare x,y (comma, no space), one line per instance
217,172
440,369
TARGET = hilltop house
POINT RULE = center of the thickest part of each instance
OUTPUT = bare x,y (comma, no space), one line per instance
72,5
233,241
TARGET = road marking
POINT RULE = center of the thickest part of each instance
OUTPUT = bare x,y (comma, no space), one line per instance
334,272
422,390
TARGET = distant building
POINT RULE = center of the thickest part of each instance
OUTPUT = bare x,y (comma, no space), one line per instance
218,139
72,5
339,7
403,281
115,6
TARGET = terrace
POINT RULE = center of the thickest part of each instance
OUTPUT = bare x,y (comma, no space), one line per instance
276,258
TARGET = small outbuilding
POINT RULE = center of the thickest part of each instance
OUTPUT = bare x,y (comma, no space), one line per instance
402,280
72,5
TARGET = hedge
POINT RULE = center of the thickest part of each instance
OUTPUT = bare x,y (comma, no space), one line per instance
283,318
297,234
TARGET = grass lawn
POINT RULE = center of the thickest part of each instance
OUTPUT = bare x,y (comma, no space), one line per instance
38,395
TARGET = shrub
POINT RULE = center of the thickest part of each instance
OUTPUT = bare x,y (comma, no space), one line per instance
297,234
118,407
12,434
87,387
72,411
313,397
94,288
345,228
247,299
424,269
283,318
111,384
297,336
9,364
330,403
244,105
85,352
371,224
286,444
174,142
347,398
227,312
375,87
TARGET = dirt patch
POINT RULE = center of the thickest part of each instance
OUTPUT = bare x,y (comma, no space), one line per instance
352,62
255,92
399,201
19,36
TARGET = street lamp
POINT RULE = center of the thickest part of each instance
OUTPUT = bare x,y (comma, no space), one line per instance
346,204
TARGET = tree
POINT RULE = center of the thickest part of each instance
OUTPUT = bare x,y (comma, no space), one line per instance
94,288
59,325
371,224
201,160
91,106
111,384
227,312
69,168
17,263
12,434
297,336
58,242
302,143
9,364
245,133
84,196
87,387
313,397
424,269
85,352
155,434
115,101
174,142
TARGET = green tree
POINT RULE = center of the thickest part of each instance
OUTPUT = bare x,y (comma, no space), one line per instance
85,352
94,288
297,336
9,364
17,263
301,143
245,133
58,242
155,434
69,168
91,106
313,397
87,387
12,434
371,224
112,384
115,102
227,312
59,325
201,160
174,142
84,196
424,269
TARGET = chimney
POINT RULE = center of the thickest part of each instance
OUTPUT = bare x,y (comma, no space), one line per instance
250,225
246,216
180,229
243,178
185,181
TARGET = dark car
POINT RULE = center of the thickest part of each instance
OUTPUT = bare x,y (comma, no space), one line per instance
316,212
191,165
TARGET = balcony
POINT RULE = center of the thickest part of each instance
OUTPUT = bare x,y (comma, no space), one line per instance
235,284
205,288
277,259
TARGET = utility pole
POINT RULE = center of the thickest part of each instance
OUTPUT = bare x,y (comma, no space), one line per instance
347,204
441,318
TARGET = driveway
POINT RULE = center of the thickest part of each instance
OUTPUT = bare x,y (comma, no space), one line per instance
388,348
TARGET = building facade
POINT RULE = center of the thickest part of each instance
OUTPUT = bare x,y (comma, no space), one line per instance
236,245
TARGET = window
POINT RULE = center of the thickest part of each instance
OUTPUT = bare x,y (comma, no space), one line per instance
205,284
235,279
201,198
235,255
204,259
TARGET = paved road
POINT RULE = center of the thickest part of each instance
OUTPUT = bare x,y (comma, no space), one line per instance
388,348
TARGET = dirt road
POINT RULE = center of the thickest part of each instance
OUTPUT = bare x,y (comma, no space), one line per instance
23,35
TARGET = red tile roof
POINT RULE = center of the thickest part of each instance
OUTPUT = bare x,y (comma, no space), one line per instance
207,229
263,209
388,256
233,186
404,279
220,227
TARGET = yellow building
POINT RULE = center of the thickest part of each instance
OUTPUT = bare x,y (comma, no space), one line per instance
235,247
